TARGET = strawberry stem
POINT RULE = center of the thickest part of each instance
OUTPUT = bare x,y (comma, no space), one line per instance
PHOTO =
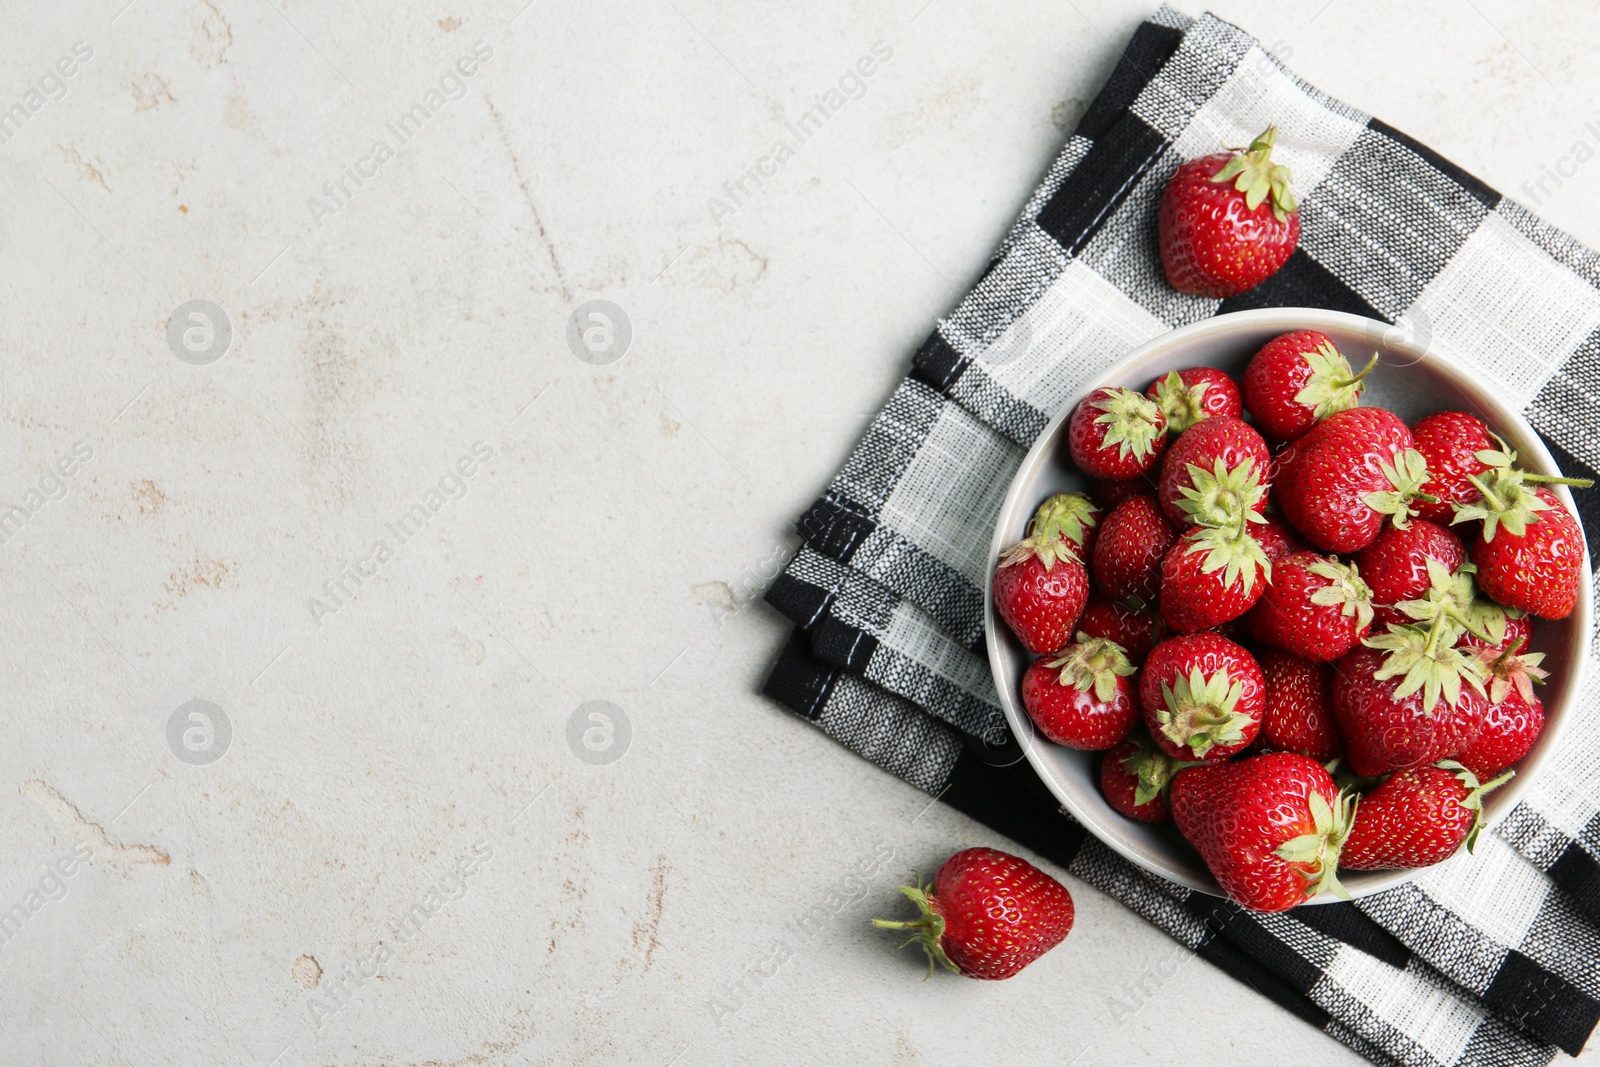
1488,494
1343,382
1435,631
1550,479
928,926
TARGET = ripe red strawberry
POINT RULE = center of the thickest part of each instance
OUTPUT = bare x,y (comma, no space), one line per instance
1082,698
1270,827
987,914
1417,818
1228,221
1210,577
1040,589
1202,696
1069,516
1134,776
1315,607
1127,555
1214,473
1298,379
1450,441
1109,493
1116,433
1297,716
1395,565
1530,553
1516,716
1136,631
1419,703
1277,538
1195,393
1509,730
1336,483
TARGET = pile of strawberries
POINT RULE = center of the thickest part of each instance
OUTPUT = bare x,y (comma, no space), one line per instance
1305,637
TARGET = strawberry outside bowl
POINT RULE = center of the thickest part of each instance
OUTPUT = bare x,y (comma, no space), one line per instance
1410,380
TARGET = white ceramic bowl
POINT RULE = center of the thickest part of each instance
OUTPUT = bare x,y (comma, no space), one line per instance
1409,380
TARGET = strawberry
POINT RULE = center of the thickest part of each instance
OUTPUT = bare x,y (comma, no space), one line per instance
1315,607
1277,538
1401,701
1082,698
1069,516
1134,776
1128,553
1336,483
1530,553
1516,716
1039,589
1417,818
1297,716
1270,827
1296,380
1509,729
1194,393
1202,696
987,914
1116,433
1395,565
1213,473
1228,221
1537,570
1450,441
1210,576
1136,631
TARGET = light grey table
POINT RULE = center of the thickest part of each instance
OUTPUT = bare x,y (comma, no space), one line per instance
390,834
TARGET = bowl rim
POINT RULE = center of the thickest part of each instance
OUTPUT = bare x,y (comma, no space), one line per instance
1280,320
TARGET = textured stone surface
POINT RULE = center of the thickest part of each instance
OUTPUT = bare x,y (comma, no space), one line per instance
406,751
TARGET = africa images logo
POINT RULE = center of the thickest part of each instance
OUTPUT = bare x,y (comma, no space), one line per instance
452,485
337,192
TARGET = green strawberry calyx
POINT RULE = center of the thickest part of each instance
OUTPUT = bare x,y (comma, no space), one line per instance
927,929
1202,712
1331,387
1345,589
1407,475
1048,550
1315,855
1183,404
1067,516
1454,596
1254,174
1506,496
1422,658
1473,801
1235,552
1132,420
1220,498
1152,770
1510,669
1093,664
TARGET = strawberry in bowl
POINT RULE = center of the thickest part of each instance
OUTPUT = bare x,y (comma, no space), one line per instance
1373,561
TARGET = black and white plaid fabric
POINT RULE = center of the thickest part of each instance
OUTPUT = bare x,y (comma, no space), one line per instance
1487,959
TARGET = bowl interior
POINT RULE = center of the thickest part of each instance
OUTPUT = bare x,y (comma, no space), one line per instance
1410,381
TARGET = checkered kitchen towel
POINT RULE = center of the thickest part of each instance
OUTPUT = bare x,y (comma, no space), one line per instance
1489,959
